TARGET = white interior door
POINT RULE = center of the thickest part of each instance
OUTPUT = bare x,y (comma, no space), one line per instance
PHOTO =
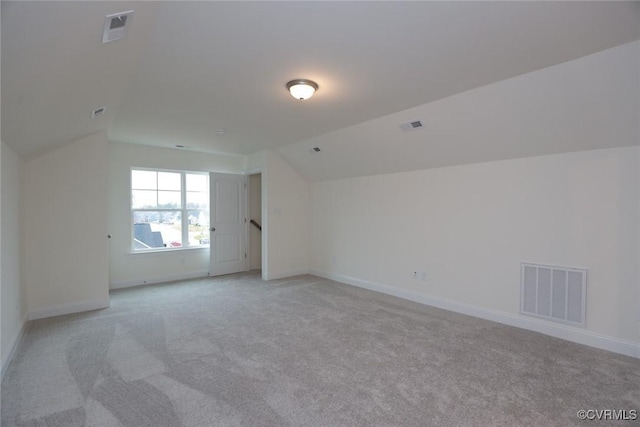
227,229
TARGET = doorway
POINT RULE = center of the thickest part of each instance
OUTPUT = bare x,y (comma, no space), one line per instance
255,221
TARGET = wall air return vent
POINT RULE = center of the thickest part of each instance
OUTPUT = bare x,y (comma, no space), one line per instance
411,126
116,26
558,294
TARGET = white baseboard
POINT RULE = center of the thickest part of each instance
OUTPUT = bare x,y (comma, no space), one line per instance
158,279
580,336
13,346
284,274
69,308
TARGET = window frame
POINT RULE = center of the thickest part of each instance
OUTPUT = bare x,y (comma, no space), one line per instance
183,210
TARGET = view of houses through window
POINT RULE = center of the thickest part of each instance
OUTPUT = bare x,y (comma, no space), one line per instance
170,209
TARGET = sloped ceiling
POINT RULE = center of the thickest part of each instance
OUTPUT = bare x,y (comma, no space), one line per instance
589,103
189,69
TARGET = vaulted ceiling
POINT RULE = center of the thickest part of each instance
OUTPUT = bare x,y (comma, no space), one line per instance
187,70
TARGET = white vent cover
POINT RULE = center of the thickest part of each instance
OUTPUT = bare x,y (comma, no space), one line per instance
98,112
554,293
412,125
116,26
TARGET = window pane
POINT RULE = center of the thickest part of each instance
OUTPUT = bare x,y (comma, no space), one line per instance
197,182
169,181
144,236
144,180
199,227
197,199
144,199
169,199
170,227
145,217
170,218
154,230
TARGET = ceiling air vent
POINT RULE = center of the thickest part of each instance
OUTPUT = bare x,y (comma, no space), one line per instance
412,125
116,26
98,112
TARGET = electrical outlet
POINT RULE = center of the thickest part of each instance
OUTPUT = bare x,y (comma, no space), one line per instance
415,275
423,276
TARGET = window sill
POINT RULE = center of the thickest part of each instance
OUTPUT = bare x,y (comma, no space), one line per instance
167,250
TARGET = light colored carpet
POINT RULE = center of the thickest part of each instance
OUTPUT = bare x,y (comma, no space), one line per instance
238,351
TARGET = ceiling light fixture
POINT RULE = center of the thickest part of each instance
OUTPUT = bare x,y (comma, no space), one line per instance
302,88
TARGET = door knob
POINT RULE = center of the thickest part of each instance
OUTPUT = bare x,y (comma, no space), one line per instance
212,229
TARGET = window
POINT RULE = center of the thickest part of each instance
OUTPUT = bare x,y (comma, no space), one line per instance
169,209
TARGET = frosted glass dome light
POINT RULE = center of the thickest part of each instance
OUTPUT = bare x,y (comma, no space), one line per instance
302,88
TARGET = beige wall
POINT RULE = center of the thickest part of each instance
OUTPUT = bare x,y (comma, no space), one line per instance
469,228
65,227
285,219
285,216
125,268
12,294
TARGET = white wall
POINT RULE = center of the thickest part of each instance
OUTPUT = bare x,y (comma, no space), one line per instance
469,227
638,260
65,227
2,351
11,295
285,216
285,220
126,268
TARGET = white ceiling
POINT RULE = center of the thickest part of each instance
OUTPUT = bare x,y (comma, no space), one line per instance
188,69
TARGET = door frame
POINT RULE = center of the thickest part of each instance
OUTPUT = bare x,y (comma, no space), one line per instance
264,213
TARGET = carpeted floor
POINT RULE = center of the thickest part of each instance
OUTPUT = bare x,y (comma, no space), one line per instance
237,351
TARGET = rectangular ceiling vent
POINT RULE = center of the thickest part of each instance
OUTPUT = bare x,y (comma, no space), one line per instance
558,294
116,26
98,112
411,126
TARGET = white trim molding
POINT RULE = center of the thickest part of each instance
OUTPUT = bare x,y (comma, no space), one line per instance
120,284
284,274
577,335
69,308
13,346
